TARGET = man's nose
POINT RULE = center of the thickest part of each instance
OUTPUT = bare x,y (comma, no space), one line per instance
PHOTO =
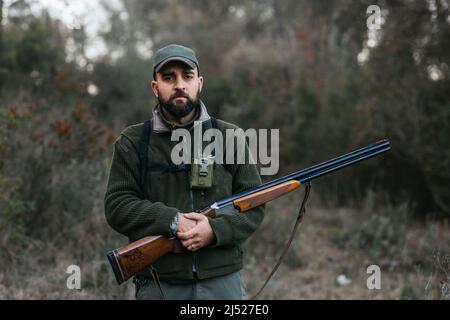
180,84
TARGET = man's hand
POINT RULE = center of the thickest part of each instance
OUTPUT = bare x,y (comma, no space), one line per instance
199,236
185,224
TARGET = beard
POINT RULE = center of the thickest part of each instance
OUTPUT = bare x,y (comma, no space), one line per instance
180,110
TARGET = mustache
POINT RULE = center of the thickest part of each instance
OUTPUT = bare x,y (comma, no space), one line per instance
179,95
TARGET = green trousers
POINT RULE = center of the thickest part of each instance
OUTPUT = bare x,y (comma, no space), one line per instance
228,287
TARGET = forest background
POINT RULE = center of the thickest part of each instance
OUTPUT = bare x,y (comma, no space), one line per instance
316,70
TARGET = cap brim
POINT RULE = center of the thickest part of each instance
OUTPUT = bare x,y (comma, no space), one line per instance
187,61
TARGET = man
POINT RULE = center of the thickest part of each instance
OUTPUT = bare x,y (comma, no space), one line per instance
164,200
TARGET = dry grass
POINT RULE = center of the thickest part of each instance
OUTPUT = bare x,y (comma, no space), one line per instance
39,272
417,267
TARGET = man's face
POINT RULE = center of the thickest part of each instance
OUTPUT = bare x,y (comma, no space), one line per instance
177,88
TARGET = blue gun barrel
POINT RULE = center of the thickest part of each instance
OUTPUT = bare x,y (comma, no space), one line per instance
318,170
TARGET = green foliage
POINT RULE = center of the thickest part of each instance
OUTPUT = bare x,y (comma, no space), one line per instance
67,154
219,93
33,53
408,292
380,230
124,91
13,217
7,125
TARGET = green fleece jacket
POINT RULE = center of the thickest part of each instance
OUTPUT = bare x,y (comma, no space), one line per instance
136,215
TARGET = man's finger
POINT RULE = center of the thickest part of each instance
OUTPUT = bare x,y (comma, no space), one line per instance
194,216
191,245
187,243
186,235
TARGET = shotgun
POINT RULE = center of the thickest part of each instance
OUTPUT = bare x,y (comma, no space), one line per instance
128,260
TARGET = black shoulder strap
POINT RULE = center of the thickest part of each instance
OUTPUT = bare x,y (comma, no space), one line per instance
214,123
143,154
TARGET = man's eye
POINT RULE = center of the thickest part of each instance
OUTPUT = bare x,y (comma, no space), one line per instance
167,78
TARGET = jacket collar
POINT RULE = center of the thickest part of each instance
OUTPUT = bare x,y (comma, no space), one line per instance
161,125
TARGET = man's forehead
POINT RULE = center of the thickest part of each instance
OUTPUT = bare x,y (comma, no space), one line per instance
174,66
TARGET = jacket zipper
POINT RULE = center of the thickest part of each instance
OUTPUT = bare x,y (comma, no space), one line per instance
194,255
191,198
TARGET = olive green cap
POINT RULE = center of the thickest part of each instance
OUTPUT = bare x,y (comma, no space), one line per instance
174,52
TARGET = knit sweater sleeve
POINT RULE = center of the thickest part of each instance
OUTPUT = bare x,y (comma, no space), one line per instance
126,210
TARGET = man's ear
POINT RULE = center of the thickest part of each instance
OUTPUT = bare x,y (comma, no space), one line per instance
200,82
154,87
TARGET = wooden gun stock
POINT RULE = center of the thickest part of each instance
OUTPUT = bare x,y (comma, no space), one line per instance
134,257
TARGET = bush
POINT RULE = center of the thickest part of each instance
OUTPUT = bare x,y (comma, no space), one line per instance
381,232
13,211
